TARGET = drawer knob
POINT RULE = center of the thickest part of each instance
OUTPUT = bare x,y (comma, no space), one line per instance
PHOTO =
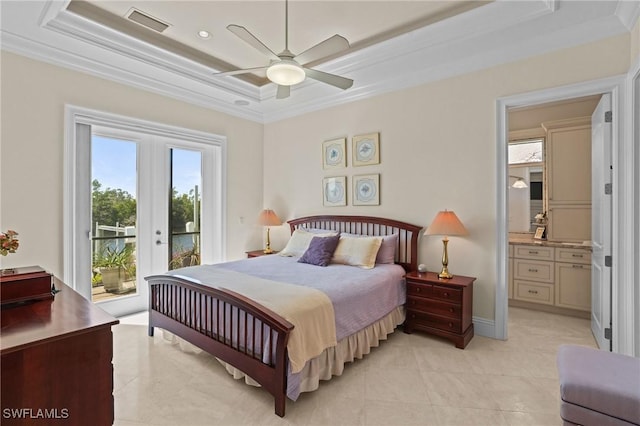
533,270
577,266
445,294
418,290
413,302
533,251
450,325
451,310
533,291
577,255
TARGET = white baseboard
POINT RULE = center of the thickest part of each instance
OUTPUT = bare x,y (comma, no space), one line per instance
484,327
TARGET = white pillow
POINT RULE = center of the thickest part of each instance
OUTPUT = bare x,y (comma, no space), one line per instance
387,251
357,251
299,242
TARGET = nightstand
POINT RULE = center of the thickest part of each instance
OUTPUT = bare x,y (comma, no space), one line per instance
442,307
258,253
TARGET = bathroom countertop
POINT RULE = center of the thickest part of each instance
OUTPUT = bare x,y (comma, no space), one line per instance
528,240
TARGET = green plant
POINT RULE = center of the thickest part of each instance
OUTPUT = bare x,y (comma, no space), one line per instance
115,258
182,258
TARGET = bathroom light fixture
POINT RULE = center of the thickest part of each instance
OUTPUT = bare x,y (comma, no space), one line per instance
519,183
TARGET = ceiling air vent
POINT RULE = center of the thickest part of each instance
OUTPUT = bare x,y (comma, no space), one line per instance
147,20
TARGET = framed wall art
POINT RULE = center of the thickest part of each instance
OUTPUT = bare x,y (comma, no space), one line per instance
334,191
334,154
366,149
366,190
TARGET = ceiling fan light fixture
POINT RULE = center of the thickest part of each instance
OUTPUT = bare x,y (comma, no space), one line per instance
286,73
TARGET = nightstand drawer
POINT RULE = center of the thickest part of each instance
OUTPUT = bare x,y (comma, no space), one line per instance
437,307
423,290
435,292
427,320
446,293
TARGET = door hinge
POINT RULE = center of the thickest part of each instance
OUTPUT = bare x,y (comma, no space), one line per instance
607,261
608,189
608,117
607,333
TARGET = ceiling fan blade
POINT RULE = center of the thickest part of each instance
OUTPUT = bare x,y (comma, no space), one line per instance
249,38
283,92
323,49
236,72
332,79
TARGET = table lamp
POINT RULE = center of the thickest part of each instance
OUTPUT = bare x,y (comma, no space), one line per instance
268,218
446,223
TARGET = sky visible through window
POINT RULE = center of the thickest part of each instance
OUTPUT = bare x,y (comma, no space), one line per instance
114,165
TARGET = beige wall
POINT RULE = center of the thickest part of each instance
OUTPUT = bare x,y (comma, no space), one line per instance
438,151
635,43
31,190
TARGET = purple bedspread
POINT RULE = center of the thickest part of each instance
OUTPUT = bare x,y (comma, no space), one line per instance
360,297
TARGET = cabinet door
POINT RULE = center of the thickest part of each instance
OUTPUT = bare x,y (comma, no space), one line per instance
569,165
569,223
573,286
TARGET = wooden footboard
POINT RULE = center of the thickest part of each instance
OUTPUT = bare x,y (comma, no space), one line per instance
226,324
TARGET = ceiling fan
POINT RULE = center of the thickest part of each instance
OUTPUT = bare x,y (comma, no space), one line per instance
286,68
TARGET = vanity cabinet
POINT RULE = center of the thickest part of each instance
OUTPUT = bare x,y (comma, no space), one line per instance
556,279
573,275
568,178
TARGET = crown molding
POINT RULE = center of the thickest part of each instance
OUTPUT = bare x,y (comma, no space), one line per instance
499,32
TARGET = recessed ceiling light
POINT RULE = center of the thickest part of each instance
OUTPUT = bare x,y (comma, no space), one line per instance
241,102
204,34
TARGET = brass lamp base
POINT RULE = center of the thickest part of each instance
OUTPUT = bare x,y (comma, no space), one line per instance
267,249
445,261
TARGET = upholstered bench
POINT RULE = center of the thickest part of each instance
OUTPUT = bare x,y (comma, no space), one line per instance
597,387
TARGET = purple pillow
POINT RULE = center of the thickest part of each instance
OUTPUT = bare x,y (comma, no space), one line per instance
320,250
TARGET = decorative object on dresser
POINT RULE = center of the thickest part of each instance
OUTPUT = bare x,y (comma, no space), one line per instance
25,284
268,218
57,356
446,223
442,307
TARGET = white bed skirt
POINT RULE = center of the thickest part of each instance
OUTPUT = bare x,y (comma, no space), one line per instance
328,363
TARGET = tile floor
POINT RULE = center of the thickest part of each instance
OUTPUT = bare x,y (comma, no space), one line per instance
409,380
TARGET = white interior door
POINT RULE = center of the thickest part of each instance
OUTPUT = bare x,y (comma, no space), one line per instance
601,223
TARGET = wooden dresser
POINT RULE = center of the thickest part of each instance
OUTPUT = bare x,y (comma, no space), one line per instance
56,362
440,306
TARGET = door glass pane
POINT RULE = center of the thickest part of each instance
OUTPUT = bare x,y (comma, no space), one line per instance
184,223
113,218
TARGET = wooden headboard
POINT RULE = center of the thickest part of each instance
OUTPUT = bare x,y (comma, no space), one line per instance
406,251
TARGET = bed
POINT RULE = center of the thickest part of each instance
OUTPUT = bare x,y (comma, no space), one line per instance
214,308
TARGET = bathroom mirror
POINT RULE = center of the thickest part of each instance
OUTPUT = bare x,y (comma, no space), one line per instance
525,184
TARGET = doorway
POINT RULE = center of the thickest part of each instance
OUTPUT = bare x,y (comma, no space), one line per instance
614,86
551,212
143,198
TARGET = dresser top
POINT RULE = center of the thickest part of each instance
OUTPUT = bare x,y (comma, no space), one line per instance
68,313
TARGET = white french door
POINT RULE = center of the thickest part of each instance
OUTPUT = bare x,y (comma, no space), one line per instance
143,199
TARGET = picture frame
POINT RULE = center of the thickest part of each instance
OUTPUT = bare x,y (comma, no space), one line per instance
334,153
540,233
334,191
366,149
366,190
